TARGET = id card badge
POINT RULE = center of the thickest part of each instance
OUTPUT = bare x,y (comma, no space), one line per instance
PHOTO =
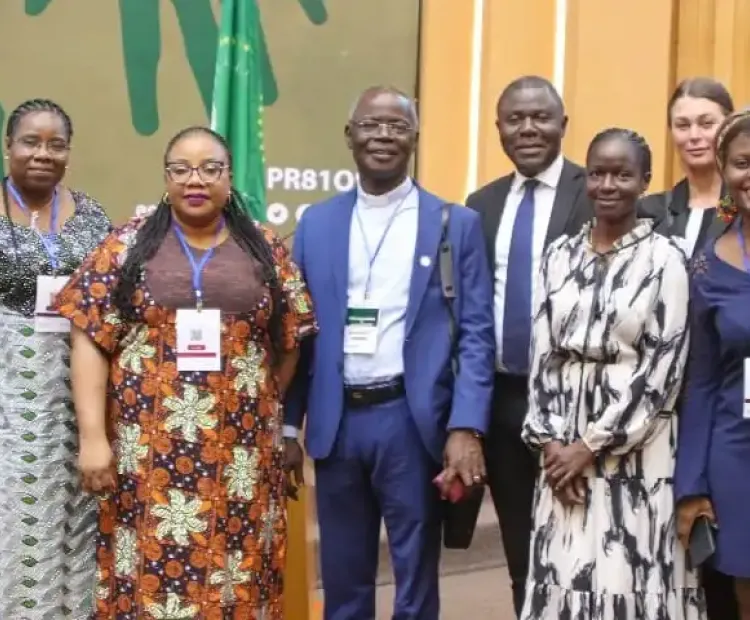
746,390
198,340
46,319
361,331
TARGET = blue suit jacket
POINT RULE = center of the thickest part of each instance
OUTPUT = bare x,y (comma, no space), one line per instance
438,401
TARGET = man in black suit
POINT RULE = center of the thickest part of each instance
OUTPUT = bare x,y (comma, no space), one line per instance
521,214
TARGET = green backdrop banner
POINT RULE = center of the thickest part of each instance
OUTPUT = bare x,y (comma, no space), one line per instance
131,73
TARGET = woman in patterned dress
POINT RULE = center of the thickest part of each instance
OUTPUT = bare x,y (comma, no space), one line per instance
195,526
47,523
610,341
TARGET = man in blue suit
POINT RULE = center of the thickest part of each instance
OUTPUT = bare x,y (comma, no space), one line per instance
385,413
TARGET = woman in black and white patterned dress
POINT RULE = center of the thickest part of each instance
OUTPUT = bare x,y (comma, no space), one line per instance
610,343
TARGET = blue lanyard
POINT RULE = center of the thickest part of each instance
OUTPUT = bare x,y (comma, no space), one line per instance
741,239
371,256
199,266
47,240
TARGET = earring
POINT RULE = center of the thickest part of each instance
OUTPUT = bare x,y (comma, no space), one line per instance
727,210
165,198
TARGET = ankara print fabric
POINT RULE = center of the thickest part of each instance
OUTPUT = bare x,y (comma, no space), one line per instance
47,524
609,351
197,527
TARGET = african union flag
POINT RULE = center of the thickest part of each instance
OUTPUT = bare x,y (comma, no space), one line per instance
237,112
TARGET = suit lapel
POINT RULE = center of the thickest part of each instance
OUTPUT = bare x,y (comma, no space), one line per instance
565,198
428,240
339,227
679,209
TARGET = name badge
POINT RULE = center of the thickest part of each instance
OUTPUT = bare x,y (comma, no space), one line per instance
746,403
198,340
361,331
46,319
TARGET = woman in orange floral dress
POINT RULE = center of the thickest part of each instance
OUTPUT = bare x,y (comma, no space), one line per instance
187,323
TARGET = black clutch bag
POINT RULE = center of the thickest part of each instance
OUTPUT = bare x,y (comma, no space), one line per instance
460,519
702,544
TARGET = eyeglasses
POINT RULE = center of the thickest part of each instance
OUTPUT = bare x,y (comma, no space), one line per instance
209,172
55,147
373,128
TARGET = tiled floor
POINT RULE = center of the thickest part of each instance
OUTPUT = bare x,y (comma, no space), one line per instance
483,595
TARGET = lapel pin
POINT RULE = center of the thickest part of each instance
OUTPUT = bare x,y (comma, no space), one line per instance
425,261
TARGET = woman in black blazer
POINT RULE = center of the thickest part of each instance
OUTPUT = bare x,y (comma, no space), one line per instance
688,211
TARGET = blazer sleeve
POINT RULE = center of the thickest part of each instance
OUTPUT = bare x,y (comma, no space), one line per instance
652,207
699,400
472,390
473,201
295,400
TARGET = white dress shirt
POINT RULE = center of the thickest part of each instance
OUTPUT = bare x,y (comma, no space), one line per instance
544,199
692,230
390,278
389,275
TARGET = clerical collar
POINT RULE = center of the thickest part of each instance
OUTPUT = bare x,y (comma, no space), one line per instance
383,200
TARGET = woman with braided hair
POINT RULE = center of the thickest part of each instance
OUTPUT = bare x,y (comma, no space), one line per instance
713,454
46,230
609,347
187,325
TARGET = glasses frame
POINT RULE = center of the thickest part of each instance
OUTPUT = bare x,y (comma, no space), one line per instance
194,169
392,128
53,148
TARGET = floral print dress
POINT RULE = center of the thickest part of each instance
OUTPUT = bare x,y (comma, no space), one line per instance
197,526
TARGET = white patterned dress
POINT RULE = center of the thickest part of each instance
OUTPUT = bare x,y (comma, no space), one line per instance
47,525
610,344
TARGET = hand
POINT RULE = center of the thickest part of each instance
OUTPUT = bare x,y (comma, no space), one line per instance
463,457
294,461
573,494
96,464
565,464
552,450
688,510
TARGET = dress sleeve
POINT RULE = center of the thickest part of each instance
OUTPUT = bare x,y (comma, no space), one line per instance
298,316
655,384
86,299
699,401
543,422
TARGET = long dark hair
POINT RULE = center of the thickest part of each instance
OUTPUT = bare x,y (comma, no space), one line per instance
244,231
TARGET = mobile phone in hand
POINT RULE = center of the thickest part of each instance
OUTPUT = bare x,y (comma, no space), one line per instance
456,491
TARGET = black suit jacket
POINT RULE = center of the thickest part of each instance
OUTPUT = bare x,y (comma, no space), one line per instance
671,210
570,211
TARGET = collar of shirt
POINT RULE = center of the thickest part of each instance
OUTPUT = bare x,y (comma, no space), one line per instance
394,196
549,177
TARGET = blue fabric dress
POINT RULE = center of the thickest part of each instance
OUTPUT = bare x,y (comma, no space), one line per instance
713,456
